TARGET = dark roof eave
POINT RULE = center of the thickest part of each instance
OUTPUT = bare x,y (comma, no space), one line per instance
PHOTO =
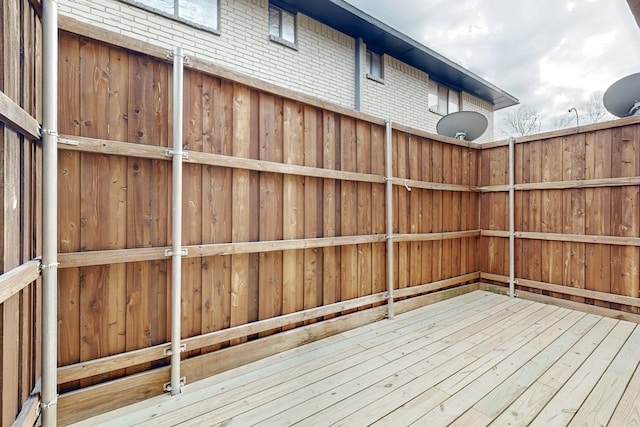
379,36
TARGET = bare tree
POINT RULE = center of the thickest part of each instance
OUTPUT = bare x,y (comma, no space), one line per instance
523,121
565,121
593,110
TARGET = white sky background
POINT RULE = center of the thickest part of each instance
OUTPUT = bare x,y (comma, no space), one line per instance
550,54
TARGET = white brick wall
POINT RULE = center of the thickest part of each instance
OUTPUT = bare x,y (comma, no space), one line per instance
471,103
323,66
404,98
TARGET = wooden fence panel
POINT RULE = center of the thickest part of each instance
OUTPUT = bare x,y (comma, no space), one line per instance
598,212
581,207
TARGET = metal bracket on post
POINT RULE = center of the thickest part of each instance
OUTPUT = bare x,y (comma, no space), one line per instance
44,132
170,153
168,352
42,266
46,405
183,252
167,386
185,59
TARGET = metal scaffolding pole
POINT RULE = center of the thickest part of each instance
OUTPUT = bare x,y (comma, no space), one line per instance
389,188
49,212
512,232
176,252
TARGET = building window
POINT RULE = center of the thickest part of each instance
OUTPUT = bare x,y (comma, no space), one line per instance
282,26
199,13
443,100
374,66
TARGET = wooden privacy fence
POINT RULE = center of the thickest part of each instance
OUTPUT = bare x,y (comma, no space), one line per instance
283,222
20,216
577,214
284,218
284,215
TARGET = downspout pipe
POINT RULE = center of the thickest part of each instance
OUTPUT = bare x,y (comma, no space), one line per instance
176,253
512,231
359,77
389,191
49,397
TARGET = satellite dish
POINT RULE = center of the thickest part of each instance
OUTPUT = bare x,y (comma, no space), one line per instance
622,99
465,125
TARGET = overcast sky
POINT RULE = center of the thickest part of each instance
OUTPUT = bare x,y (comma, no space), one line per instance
550,54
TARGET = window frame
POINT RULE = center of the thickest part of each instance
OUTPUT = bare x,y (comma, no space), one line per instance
435,108
369,54
175,16
279,38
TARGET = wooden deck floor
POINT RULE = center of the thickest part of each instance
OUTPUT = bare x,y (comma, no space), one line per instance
477,359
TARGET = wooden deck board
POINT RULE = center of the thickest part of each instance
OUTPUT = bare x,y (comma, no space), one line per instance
475,360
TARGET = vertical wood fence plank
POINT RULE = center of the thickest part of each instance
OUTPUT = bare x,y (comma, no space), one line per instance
625,204
240,206
364,218
139,211
574,207
598,212
427,209
94,195
415,211
160,196
118,109
551,218
330,274
446,208
313,208
271,207
535,258
348,212
192,206
436,208
294,209
217,200
402,159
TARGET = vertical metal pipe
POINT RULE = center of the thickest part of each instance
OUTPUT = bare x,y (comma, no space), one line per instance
512,236
389,188
49,211
176,222
359,73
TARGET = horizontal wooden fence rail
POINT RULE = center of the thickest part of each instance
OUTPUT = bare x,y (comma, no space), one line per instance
566,303
424,237
118,148
103,146
94,258
436,286
567,290
12,115
562,237
412,183
19,278
564,185
129,359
